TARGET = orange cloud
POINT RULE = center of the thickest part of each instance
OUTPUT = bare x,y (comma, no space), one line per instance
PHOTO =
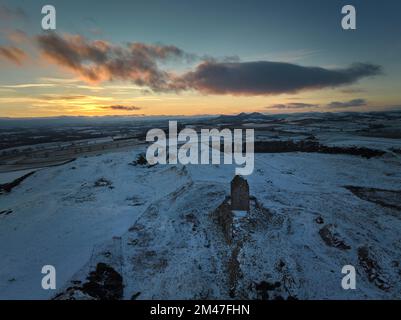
97,61
17,36
13,54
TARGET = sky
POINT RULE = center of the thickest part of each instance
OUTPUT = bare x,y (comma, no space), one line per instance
195,57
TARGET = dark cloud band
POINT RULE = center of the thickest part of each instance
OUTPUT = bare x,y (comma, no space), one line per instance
123,108
264,77
348,104
294,105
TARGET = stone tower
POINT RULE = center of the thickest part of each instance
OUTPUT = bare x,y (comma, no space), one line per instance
239,194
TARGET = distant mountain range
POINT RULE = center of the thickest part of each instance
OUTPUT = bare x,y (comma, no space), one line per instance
254,117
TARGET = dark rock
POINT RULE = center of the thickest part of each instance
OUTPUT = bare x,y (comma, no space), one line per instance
104,283
313,146
224,217
263,287
135,295
7,187
319,220
372,268
331,238
382,197
103,182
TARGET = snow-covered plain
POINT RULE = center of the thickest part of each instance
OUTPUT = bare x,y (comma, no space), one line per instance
155,226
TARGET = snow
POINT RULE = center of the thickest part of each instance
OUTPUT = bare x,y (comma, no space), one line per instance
6,177
168,245
62,216
239,213
345,140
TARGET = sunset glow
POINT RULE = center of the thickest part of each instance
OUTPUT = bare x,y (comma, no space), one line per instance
94,66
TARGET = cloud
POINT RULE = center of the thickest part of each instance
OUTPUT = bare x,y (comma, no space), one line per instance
97,61
334,104
123,108
347,104
266,78
13,54
7,13
17,36
288,56
48,97
140,63
353,90
294,105
28,85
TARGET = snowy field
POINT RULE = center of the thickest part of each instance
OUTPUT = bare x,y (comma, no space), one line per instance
155,227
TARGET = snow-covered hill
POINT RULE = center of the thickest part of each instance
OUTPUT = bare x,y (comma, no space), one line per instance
155,228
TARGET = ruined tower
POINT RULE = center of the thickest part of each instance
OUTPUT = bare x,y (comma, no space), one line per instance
239,194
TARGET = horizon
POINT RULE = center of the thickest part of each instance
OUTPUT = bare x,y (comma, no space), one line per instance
124,116
128,59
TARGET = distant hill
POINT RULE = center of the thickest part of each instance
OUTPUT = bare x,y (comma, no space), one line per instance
254,117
